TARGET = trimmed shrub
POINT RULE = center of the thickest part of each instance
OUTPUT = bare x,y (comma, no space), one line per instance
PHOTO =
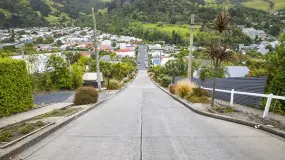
165,81
5,136
184,88
25,129
115,85
15,87
173,89
85,95
39,123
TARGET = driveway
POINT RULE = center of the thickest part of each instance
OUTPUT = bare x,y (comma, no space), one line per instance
54,97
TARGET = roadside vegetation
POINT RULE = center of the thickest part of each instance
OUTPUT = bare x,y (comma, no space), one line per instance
10,133
85,95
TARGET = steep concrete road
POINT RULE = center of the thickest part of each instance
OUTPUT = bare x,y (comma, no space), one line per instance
142,122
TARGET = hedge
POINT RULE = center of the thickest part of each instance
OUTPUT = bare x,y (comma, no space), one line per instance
15,87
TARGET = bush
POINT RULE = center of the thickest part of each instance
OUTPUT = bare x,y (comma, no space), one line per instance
165,81
131,76
15,87
127,80
115,85
151,75
196,99
25,129
199,92
173,89
39,123
4,136
85,95
184,88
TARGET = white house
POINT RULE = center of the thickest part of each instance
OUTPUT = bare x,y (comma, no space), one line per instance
252,33
26,40
107,43
36,63
125,52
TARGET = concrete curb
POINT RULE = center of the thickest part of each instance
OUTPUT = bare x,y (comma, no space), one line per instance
41,136
226,118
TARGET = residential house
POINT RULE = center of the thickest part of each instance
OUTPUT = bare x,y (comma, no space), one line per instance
253,33
107,43
26,40
125,52
36,63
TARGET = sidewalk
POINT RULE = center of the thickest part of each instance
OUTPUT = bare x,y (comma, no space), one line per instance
4,121
254,111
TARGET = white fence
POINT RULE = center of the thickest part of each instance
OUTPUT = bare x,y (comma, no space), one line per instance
268,96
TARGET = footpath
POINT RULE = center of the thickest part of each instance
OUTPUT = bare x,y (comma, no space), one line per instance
16,118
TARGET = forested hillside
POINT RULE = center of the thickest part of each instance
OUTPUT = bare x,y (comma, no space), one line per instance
128,16
27,13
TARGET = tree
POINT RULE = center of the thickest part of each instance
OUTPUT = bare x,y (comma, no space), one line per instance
275,66
175,68
269,47
59,71
40,40
112,55
77,73
59,43
48,40
83,33
217,52
107,70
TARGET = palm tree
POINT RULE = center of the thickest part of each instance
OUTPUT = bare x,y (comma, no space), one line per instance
217,53
222,22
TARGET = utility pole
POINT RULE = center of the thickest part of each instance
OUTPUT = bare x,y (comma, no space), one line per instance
191,47
96,52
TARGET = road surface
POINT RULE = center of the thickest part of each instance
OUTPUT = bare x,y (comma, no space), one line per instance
54,97
144,123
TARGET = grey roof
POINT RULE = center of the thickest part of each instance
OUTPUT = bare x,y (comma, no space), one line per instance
105,58
237,71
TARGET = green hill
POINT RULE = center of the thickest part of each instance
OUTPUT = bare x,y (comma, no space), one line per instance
265,5
27,13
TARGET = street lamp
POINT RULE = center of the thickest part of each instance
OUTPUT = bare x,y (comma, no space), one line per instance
96,52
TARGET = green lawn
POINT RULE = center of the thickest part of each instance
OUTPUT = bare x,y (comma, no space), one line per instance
52,19
261,4
181,29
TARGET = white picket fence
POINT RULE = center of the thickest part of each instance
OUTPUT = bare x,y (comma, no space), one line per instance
268,96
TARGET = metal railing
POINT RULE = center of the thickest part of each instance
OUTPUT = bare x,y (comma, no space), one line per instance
268,96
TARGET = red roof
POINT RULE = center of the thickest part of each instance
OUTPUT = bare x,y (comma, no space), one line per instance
105,47
86,54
